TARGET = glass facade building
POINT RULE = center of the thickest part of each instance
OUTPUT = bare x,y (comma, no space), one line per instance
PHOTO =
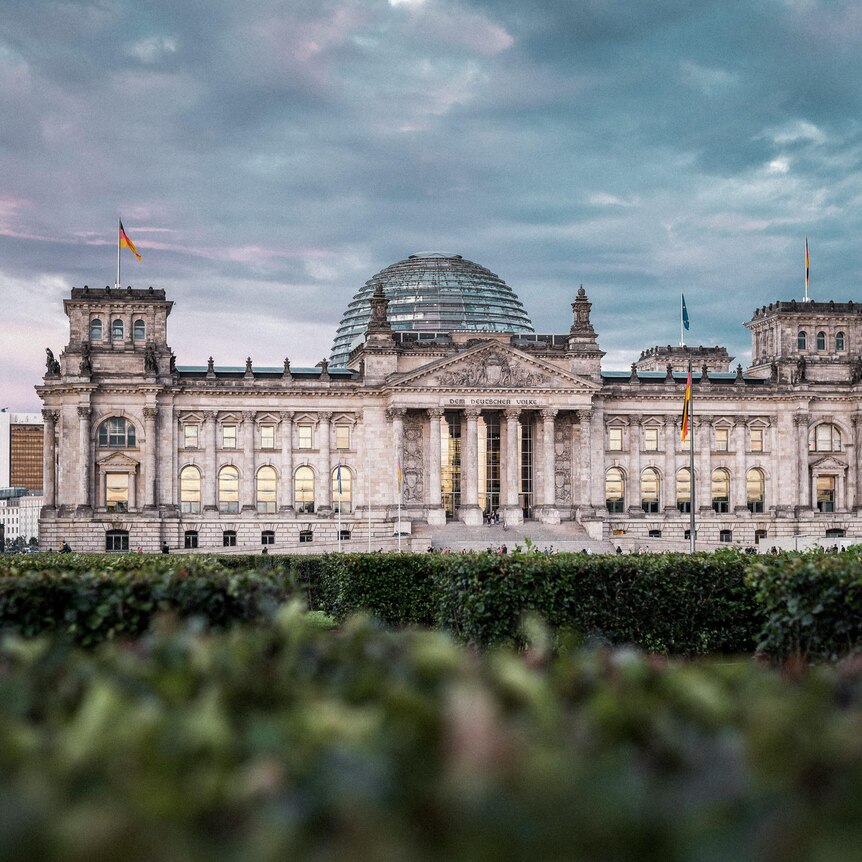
433,292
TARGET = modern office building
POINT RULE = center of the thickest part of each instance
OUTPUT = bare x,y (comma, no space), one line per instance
442,406
21,450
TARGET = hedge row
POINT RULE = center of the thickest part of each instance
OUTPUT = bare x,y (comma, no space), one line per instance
292,741
806,605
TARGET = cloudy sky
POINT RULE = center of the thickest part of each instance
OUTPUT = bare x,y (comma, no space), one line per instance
269,157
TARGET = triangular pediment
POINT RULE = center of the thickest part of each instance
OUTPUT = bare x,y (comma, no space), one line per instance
830,462
118,459
491,365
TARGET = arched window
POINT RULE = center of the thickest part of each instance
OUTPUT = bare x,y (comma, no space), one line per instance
118,433
839,341
801,340
117,330
821,341
824,438
615,490
683,490
190,489
721,490
95,329
650,490
755,486
342,490
266,489
303,489
139,330
228,489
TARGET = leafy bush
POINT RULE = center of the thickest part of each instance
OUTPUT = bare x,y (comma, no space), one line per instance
292,740
812,603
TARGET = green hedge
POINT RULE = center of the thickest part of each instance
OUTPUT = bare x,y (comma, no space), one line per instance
812,603
288,740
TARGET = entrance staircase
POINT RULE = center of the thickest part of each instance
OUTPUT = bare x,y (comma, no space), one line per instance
455,536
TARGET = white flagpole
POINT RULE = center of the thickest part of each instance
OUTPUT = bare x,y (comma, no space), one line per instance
117,285
339,505
398,486
681,324
369,510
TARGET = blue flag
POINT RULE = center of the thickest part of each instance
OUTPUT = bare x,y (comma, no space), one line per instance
684,312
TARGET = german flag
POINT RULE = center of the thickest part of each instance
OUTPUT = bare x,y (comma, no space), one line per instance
125,242
686,406
807,263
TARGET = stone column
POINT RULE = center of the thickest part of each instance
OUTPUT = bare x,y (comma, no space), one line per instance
669,489
513,514
84,413
324,494
286,495
49,459
738,483
634,484
853,467
803,484
550,514
597,460
248,498
211,478
436,515
703,454
151,414
470,513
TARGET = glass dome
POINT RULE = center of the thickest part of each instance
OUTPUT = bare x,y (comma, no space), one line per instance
433,292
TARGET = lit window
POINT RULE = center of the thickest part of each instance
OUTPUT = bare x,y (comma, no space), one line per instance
801,340
190,436
95,329
139,330
303,489
615,490
228,436
117,330
824,438
756,439
228,489
651,439
190,489
342,436
117,492
650,490
266,489
754,489
721,490
305,436
117,432
615,439
839,341
825,493
342,489
721,439
267,436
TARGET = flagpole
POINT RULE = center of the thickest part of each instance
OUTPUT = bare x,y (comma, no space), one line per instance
807,259
369,510
339,505
117,285
681,322
398,489
692,528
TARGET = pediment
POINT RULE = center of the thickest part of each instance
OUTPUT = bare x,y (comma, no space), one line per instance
493,366
830,462
119,460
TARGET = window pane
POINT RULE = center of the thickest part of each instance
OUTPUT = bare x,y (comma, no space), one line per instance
190,490
651,439
228,436
266,489
342,436
683,490
720,485
342,498
228,489
117,330
117,491
615,439
303,489
721,439
95,330
756,439
304,432
614,490
754,486
267,436
139,330
190,435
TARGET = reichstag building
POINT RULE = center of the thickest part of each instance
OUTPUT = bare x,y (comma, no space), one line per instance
441,410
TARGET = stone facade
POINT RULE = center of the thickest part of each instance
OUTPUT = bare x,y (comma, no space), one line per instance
140,452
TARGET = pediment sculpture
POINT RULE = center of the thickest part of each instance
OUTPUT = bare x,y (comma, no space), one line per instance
493,369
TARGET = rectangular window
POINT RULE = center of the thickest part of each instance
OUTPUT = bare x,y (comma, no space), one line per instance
651,439
228,539
725,535
267,436
721,439
267,537
304,433
344,535
191,539
190,436
615,439
117,492
305,536
117,540
342,436
228,436
654,534
756,439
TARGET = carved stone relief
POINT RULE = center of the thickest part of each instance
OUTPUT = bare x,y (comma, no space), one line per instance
493,369
563,460
414,477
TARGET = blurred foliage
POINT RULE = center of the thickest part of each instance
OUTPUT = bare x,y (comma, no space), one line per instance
295,739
